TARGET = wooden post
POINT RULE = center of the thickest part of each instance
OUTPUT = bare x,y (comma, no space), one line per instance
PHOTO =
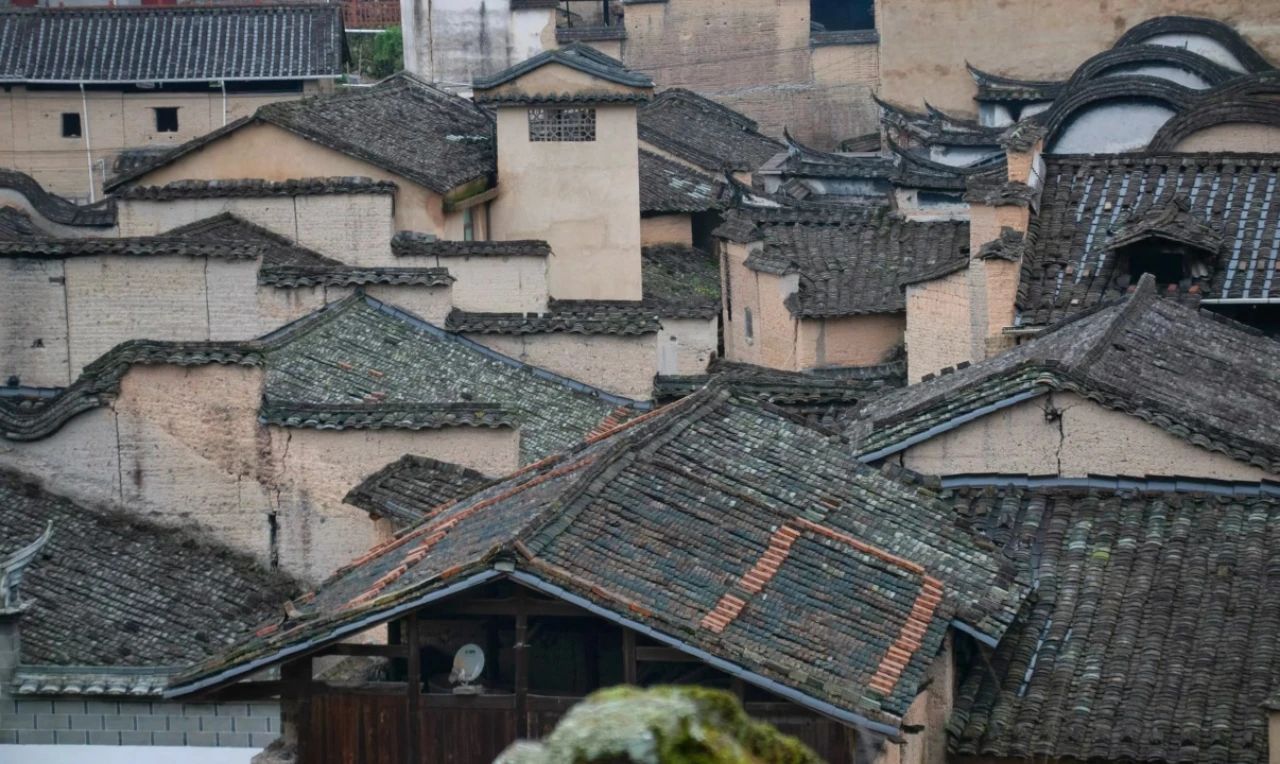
295,704
629,656
414,683
522,669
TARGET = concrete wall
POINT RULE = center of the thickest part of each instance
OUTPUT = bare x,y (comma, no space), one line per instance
848,340
183,446
624,365
1087,438
687,345
31,134
581,197
453,42
755,56
97,721
271,153
937,331
925,43
666,229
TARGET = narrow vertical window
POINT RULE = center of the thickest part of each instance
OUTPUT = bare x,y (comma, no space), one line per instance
468,225
562,124
748,329
166,119
71,124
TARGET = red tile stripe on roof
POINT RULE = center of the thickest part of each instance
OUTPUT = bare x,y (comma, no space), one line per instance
910,637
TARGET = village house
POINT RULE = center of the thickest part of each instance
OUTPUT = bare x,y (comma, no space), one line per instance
83,85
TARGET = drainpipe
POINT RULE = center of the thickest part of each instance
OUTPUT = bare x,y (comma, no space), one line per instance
223,83
88,141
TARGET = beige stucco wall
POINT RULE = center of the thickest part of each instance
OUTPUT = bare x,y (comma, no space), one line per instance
925,43
773,340
31,134
1273,737
183,446
552,79
352,228
666,229
581,197
497,284
1238,138
937,332
755,56
1087,438
624,365
271,153
33,331
848,340
686,345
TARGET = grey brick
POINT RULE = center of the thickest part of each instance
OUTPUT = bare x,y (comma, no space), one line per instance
8,737
100,737
8,705
72,737
262,739
118,722
174,709
135,738
202,738
53,722
155,723
68,706
36,737
101,707
34,707
252,724
233,709
168,738
199,709
233,740
86,721
264,709
216,723
17,721
184,724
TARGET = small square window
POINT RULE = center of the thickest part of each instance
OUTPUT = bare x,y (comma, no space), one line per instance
167,119
71,124
562,124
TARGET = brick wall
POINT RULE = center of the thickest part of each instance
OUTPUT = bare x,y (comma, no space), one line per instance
133,722
618,364
938,325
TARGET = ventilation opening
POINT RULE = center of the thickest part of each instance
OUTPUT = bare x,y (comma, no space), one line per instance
748,329
273,539
71,124
1169,262
840,15
167,119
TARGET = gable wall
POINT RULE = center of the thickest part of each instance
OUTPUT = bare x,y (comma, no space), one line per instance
183,446
774,330
1088,438
623,365
848,340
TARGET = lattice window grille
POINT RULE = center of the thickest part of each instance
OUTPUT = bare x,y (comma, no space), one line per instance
562,124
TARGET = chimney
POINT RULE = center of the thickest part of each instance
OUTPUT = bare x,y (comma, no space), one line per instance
12,607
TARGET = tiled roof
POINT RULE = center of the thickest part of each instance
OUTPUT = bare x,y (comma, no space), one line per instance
358,363
680,281
1151,636
412,243
1091,205
405,490
667,186
251,187
701,131
278,251
38,247
291,276
171,44
1203,378
579,56
54,207
719,524
109,590
562,316
852,265
877,173
402,125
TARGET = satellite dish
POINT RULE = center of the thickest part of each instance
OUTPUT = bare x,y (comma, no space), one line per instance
468,662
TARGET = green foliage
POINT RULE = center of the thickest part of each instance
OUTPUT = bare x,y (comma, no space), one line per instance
662,725
388,53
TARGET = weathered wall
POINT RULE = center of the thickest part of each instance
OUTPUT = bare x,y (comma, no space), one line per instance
581,197
772,340
497,284
183,446
621,365
849,340
453,42
937,333
352,228
33,334
1087,438
666,229
106,721
1234,138
687,345
925,43
31,134
755,56
925,724
268,152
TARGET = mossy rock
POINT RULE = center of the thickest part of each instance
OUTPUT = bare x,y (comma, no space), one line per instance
661,725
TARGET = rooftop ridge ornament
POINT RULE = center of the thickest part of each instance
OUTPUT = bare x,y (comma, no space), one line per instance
12,567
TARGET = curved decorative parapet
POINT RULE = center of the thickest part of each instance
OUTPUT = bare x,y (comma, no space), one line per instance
12,567
54,207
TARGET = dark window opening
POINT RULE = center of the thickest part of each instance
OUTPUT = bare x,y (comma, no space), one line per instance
747,328
840,15
1166,269
468,225
167,119
1265,318
71,124
1170,263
